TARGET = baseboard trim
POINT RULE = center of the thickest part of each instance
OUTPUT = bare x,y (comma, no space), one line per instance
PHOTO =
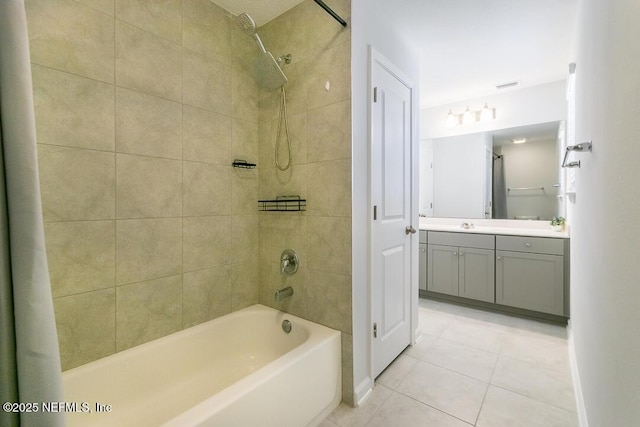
363,391
577,385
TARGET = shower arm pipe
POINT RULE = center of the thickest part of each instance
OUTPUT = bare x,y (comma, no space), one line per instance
331,12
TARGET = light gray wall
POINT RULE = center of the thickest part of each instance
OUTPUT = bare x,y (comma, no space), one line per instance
605,244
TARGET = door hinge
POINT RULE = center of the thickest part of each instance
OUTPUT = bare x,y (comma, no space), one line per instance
375,330
375,212
375,94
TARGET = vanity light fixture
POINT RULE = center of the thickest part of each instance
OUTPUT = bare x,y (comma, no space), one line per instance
471,116
519,140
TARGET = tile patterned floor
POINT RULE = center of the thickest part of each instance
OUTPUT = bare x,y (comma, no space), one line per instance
472,368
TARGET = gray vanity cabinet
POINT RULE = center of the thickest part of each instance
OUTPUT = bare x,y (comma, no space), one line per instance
476,274
442,269
462,265
530,273
422,274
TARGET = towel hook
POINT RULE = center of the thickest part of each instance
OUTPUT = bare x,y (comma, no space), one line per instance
584,146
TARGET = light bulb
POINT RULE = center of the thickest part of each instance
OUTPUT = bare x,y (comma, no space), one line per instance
486,114
468,117
451,119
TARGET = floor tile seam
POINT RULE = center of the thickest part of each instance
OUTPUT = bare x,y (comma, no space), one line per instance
467,345
487,390
484,396
384,401
455,372
431,406
412,348
535,399
547,339
461,373
475,346
543,366
404,377
554,372
422,336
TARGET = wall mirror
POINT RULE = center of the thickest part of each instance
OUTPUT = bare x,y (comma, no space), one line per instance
500,174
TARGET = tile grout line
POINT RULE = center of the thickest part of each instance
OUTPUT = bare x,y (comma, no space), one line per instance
431,406
535,399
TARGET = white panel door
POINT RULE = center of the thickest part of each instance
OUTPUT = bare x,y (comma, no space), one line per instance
391,199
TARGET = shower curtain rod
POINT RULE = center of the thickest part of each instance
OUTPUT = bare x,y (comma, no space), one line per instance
331,12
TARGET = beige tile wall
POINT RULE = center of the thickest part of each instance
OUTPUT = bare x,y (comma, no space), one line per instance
140,110
320,128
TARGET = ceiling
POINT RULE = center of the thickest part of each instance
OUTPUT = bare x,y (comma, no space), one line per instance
468,47
533,133
262,11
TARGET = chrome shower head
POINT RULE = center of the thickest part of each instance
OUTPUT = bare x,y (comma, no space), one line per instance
266,69
248,26
246,23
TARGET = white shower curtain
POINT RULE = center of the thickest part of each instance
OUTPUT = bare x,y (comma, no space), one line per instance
29,357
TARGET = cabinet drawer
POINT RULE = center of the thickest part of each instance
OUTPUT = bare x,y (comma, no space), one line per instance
423,236
469,240
538,245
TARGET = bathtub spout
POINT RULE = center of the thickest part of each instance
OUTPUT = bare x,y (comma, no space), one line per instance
283,293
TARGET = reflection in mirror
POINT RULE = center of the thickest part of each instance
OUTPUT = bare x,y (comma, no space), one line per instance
492,174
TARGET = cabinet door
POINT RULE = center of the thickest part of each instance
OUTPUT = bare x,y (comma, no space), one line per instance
442,269
422,274
477,274
530,281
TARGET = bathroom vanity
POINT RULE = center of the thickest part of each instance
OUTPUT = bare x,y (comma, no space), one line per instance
513,266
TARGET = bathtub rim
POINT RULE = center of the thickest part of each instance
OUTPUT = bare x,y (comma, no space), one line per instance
317,335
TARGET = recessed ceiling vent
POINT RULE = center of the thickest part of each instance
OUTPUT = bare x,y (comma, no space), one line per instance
508,84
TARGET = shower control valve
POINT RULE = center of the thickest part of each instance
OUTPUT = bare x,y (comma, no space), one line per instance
289,262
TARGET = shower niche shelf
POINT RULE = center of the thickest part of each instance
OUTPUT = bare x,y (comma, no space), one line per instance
283,204
243,164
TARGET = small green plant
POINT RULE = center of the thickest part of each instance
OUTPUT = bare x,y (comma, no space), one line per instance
558,220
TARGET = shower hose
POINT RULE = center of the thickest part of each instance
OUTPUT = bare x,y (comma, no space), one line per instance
283,118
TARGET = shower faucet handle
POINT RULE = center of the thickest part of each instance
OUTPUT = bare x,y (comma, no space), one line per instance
289,262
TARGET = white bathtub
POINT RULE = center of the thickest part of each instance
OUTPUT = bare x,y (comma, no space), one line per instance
237,370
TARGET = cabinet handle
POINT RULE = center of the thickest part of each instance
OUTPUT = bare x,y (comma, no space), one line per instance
455,253
423,250
498,258
461,254
528,244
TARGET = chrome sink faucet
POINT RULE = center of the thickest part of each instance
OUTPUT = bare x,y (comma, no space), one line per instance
467,225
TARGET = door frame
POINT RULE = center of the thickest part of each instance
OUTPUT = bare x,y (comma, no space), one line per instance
377,57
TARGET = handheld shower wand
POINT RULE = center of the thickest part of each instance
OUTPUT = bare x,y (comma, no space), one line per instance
248,25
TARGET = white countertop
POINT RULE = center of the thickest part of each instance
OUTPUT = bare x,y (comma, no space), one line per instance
494,226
